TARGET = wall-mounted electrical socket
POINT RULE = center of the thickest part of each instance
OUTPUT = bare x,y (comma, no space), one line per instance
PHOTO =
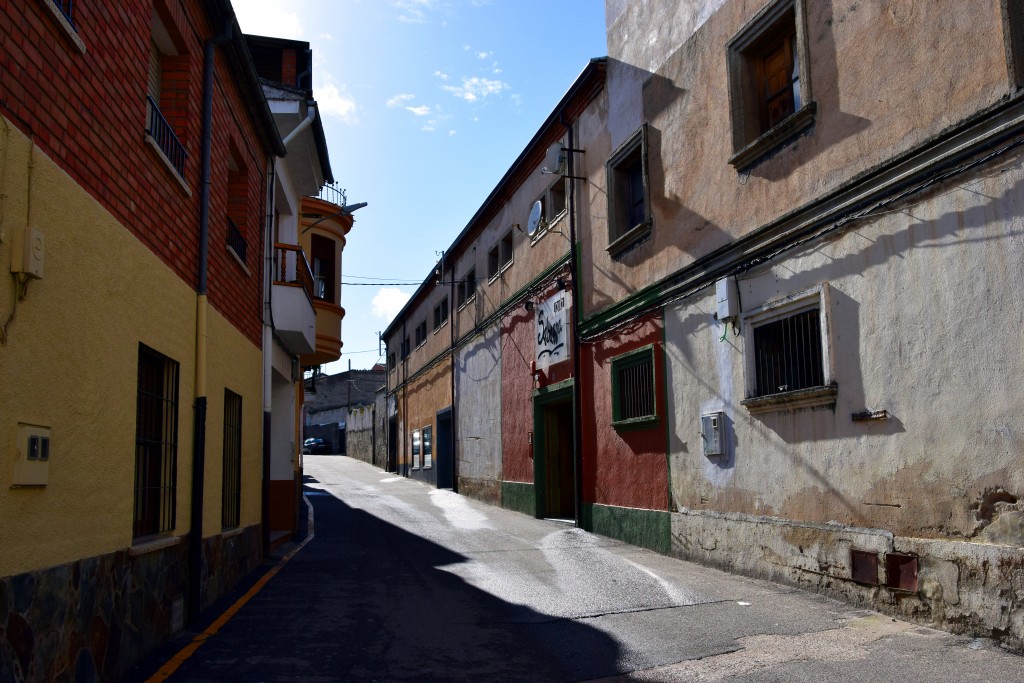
32,466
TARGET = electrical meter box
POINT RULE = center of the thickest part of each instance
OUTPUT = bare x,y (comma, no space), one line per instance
712,429
32,466
727,300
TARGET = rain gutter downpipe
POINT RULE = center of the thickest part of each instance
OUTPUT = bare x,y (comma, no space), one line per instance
268,351
304,124
195,536
577,392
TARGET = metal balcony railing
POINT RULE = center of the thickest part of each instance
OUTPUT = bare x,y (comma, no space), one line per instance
291,267
161,132
236,240
333,194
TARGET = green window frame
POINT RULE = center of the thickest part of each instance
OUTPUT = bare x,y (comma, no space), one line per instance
634,389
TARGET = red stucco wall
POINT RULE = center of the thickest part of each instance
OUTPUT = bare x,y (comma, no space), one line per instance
624,468
518,349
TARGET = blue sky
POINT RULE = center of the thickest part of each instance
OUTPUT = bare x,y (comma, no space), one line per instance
426,103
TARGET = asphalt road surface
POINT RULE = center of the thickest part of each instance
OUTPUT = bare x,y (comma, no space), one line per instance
405,582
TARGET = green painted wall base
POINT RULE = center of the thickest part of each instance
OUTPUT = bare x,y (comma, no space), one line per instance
519,497
650,529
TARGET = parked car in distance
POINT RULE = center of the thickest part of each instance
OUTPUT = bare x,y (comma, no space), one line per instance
315,446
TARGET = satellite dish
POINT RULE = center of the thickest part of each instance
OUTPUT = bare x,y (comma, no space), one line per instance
554,160
535,216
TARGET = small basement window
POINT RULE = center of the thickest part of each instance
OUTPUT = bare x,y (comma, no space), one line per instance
633,389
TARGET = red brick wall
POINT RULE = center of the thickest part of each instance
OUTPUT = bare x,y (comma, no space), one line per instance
288,67
88,113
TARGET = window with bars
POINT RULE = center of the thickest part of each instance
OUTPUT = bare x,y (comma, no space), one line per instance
788,354
231,487
156,443
634,401
416,449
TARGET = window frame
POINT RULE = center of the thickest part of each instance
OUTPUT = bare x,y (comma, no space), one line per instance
414,448
625,361
501,256
231,481
421,333
426,447
546,200
167,403
751,139
821,395
441,314
634,150
463,291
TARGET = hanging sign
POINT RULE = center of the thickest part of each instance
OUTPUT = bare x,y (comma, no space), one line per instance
552,330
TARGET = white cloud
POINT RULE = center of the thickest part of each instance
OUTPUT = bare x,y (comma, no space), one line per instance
413,11
388,302
442,75
428,127
483,55
475,88
334,100
400,99
421,110
269,18
451,133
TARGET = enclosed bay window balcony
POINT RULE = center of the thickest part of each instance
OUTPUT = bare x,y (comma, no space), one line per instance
324,226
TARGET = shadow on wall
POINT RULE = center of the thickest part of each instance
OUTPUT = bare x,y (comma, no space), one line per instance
369,600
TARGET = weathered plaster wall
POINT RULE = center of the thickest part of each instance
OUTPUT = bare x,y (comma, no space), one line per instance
645,33
517,384
625,468
919,296
478,434
951,56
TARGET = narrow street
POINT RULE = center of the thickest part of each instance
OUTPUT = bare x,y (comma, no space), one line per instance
405,582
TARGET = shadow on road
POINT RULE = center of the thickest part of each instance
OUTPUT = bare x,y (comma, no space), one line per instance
367,600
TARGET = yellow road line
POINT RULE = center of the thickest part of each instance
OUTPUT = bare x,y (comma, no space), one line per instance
182,656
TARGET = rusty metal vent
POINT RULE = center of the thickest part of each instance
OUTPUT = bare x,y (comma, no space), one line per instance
864,567
901,572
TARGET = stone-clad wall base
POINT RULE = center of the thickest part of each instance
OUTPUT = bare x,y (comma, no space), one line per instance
94,618
967,588
226,559
484,490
